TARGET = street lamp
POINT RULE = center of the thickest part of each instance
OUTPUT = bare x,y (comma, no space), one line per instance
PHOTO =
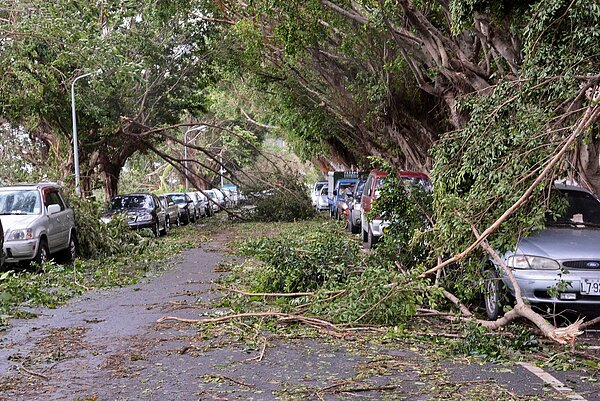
75,140
185,158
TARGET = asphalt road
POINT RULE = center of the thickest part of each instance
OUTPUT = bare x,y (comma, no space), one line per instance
107,345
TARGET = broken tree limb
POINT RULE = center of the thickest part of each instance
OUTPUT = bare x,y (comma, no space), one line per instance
590,116
277,294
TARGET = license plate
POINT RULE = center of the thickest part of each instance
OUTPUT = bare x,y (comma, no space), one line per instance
590,287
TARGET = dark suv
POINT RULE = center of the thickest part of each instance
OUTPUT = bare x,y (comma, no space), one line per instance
143,210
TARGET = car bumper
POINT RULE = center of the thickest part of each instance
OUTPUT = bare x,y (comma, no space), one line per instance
139,225
535,286
17,251
377,227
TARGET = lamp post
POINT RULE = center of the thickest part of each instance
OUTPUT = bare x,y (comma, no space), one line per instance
75,140
185,158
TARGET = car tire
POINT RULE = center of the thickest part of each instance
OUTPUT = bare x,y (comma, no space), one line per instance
156,228
364,236
178,221
43,253
493,295
165,231
354,228
70,253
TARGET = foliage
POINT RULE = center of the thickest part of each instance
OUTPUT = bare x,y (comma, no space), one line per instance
501,346
298,262
407,208
513,131
149,53
96,239
280,196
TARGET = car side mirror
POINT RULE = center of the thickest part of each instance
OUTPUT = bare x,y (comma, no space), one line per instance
53,209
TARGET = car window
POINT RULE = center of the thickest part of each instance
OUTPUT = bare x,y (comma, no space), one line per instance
20,202
131,202
52,198
369,186
582,208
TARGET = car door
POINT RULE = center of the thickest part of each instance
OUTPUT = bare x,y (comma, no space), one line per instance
58,223
161,213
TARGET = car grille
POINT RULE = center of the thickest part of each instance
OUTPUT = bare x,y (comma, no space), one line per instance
582,264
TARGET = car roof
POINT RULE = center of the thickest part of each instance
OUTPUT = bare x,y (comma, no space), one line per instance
40,185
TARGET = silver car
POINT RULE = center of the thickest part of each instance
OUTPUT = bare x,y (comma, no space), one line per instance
560,264
37,222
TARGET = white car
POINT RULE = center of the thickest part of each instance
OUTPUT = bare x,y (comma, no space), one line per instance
37,223
314,194
322,199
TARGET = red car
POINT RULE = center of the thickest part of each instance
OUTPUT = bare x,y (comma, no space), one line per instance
373,230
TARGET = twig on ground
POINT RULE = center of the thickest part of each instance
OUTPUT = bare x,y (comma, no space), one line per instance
32,373
231,379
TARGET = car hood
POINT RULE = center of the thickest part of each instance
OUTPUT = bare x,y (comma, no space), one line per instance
12,221
563,244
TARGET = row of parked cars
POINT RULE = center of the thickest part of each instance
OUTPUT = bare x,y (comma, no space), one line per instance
36,221
557,265
348,199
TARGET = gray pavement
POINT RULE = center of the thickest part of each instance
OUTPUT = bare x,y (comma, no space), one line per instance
107,345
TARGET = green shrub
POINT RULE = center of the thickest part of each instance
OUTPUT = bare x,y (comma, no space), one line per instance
297,262
285,198
97,239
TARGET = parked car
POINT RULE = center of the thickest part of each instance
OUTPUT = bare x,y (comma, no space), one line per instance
199,208
214,200
315,192
372,230
186,207
323,199
207,207
353,213
341,186
566,251
220,196
143,210
38,223
171,208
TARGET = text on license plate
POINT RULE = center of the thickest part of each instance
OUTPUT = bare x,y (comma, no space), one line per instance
590,287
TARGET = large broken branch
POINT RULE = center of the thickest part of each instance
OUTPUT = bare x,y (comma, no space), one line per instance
590,116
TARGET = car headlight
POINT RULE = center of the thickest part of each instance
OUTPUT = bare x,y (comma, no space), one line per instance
20,234
532,262
144,217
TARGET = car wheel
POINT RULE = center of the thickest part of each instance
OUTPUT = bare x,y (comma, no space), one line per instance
178,220
69,254
493,294
42,254
156,229
165,231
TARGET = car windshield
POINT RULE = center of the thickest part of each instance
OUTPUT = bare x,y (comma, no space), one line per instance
179,198
20,202
318,186
360,186
345,186
426,184
131,202
582,209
